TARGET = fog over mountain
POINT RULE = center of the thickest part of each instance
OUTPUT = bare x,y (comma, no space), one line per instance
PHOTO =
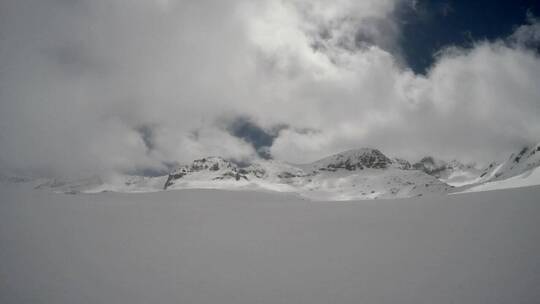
269,151
136,86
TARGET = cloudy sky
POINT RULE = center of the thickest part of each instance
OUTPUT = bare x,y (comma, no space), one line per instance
100,86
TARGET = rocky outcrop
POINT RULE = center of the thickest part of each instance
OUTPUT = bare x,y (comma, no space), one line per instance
430,166
402,164
214,168
525,159
354,160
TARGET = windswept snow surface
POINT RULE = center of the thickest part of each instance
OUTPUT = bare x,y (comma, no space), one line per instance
114,183
243,247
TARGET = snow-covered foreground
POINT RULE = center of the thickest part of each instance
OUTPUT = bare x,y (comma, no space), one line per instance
211,246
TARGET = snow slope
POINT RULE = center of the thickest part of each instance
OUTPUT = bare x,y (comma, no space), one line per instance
521,169
354,174
371,184
116,183
453,173
243,247
528,178
517,164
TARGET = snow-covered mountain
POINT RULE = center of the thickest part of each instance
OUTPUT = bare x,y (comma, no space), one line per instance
518,170
454,172
521,169
518,163
355,174
352,160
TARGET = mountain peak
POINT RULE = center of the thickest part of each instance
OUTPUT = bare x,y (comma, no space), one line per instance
525,159
364,173
214,167
356,159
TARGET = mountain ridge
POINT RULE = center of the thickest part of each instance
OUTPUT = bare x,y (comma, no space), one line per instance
365,173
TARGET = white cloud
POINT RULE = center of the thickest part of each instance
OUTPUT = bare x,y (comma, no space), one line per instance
79,78
528,34
474,104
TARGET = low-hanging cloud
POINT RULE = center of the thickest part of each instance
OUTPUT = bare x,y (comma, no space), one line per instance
93,87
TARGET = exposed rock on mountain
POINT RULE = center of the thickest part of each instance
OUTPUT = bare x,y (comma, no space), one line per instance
430,166
354,174
526,159
402,163
215,168
362,173
453,173
521,169
354,160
